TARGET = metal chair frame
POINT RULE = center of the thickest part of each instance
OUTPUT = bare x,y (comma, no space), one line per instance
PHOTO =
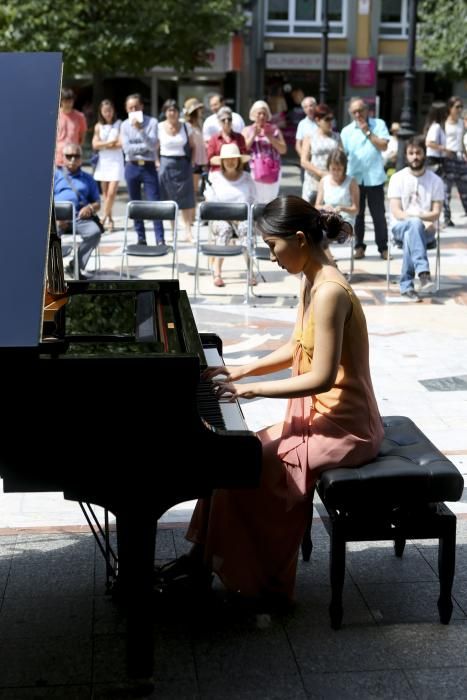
222,211
65,211
166,210
434,246
261,252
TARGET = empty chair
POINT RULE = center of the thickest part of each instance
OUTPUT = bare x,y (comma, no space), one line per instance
434,245
65,211
222,211
150,211
260,252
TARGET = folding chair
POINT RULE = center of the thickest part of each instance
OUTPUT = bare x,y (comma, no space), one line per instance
221,211
434,245
260,252
150,211
65,211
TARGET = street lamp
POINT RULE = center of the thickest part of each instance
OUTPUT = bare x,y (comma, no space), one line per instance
323,83
407,119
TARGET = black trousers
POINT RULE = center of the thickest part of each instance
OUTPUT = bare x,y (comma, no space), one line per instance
375,197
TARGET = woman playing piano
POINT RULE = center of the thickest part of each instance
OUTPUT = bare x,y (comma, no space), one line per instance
251,538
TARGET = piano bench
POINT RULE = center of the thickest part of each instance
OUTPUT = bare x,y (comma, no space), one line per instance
398,495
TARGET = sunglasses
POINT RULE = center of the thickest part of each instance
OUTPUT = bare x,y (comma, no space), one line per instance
226,119
69,156
458,106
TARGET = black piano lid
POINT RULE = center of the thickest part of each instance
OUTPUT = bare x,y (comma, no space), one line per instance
30,88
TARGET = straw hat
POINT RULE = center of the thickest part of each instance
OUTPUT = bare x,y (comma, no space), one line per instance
192,105
229,150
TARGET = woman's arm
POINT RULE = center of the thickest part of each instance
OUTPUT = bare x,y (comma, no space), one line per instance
331,307
277,141
305,160
273,362
319,204
249,134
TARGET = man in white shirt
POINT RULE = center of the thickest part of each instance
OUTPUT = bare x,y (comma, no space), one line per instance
415,199
307,125
211,125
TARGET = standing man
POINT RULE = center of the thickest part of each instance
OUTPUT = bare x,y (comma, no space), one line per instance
71,125
415,196
211,125
71,184
307,125
364,140
139,139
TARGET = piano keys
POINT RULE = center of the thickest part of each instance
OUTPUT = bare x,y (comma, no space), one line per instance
79,361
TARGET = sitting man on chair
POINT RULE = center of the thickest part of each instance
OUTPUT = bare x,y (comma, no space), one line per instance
415,199
71,184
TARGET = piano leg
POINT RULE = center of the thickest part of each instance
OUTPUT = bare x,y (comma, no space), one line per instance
136,538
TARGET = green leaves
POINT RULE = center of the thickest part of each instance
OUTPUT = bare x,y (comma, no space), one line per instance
112,36
441,41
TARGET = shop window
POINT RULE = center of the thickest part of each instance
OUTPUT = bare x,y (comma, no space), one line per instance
304,17
394,22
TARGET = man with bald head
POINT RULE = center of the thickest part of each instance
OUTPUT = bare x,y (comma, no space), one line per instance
364,140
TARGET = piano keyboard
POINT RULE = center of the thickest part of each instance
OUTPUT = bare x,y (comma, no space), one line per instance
219,414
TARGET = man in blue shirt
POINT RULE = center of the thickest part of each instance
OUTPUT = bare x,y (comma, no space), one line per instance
363,140
71,184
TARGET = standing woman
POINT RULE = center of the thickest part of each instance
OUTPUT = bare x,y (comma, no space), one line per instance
266,144
251,538
316,148
455,164
435,137
176,148
110,166
193,110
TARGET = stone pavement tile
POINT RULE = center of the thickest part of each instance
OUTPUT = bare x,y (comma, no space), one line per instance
322,649
247,686
359,685
181,689
22,617
46,660
230,647
439,684
64,578
405,602
375,562
173,657
58,692
425,645
108,618
312,606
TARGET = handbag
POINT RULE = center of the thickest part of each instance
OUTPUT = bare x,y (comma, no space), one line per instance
186,147
266,163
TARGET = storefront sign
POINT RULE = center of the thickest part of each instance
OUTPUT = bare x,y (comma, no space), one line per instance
362,72
392,63
306,61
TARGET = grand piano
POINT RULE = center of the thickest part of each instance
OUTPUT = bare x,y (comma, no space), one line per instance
78,357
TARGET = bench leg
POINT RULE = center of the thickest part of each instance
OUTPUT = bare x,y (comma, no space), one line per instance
399,545
307,543
337,574
446,566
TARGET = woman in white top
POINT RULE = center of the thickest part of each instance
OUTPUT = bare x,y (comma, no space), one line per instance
455,164
337,191
229,184
110,166
176,153
435,137
316,148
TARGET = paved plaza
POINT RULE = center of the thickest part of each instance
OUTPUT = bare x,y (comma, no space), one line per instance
61,636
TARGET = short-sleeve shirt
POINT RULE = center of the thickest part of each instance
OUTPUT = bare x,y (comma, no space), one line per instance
71,129
305,127
417,193
84,191
366,163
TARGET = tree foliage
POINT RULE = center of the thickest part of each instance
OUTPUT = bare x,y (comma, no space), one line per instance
110,36
442,31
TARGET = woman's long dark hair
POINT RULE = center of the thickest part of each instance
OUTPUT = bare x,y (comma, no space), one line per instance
436,114
106,103
286,215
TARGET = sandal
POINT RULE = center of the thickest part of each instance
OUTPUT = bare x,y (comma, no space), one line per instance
185,571
218,281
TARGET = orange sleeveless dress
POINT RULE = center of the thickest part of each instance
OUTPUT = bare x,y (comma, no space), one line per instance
252,537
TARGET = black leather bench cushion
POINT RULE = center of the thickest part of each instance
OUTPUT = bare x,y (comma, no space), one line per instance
408,469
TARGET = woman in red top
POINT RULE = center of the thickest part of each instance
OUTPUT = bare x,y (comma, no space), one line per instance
226,135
